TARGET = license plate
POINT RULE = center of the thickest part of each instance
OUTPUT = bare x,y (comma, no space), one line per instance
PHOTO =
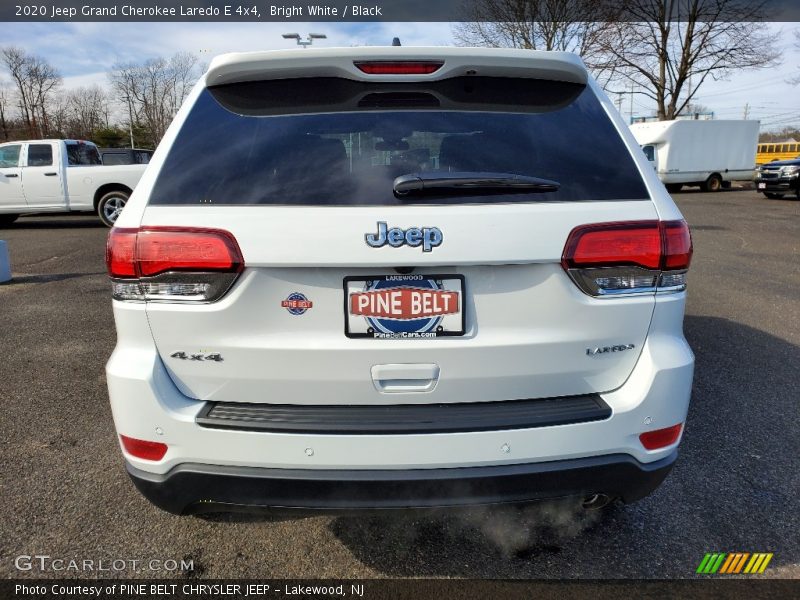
762,186
395,307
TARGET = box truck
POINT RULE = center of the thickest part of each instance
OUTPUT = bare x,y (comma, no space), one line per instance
710,154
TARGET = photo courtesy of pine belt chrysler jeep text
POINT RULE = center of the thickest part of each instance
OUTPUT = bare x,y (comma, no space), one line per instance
394,278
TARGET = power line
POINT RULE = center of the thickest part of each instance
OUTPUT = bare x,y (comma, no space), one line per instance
747,87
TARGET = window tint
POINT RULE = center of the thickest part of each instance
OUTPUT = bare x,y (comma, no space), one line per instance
143,158
9,156
40,155
335,142
80,153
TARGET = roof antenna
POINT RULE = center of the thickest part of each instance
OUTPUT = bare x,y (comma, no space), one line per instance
396,41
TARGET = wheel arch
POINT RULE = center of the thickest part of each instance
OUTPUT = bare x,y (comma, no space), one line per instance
109,187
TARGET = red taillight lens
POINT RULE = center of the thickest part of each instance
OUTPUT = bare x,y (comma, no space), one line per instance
677,245
143,449
417,67
152,250
163,250
121,252
661,438
172,264
614,244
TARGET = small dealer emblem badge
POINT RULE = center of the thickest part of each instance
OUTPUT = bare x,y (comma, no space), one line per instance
296,303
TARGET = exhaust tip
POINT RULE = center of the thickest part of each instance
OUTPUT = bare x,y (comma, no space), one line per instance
596,501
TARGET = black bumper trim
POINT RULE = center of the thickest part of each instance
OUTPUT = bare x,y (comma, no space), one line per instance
193,488
404,418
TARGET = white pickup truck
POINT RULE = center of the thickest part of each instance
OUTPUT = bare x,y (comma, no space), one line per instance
40,176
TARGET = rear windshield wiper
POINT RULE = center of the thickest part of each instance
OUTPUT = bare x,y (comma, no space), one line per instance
469,182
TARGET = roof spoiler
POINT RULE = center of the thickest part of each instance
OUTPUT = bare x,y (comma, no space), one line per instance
339,62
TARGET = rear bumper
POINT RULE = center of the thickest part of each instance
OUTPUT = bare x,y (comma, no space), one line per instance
193,488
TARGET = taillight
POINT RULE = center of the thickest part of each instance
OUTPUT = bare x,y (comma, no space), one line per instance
164,250
613,244
172,264
631,257
661,438
143,448
395,67
120,253
677,245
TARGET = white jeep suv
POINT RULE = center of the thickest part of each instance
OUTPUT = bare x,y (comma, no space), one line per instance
372,278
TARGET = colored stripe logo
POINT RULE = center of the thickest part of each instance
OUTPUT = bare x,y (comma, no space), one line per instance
734,563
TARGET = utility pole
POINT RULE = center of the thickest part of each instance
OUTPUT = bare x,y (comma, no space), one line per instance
130,118
746,110
619,102
630,119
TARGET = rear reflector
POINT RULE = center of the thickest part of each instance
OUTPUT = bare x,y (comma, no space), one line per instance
661,438
143,449
172,263
418,67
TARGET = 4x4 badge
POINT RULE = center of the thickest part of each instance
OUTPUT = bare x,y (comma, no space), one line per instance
427,237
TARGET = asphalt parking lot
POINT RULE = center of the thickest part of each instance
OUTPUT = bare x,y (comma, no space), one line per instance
735,487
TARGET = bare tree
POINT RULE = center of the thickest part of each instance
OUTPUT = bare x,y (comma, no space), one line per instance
45,80
694,109
796,80
79,112
14,60
669,48
88,108
154,90
564,25
36,82
4,98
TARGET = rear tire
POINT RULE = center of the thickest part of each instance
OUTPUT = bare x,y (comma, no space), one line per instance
674,188
111,205
6,220
773,195
712,184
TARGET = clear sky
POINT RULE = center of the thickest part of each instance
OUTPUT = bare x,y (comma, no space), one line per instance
84,52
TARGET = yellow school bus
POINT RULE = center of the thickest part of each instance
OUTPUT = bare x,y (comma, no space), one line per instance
767,152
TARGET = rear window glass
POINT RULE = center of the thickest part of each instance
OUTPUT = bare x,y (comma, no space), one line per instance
338,142
143,158
79,153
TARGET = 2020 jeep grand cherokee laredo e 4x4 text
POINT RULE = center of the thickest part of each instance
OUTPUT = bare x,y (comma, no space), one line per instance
373,278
